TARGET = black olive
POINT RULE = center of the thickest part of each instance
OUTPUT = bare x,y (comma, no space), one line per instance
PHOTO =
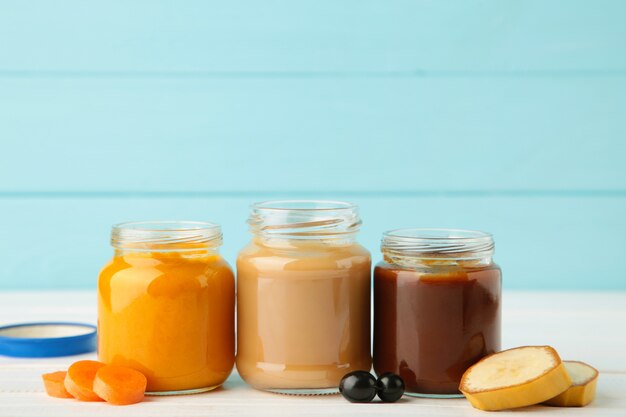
358,387
390,387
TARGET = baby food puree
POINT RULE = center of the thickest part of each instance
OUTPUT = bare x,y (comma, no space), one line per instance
166,306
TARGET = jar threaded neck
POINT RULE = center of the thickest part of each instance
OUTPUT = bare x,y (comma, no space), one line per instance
304,219
165,235
437,244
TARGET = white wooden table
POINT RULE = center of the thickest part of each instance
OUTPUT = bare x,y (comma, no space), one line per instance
585,326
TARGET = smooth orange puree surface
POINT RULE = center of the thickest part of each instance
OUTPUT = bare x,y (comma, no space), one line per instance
170,316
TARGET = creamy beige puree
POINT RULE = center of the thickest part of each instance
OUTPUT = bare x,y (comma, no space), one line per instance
303,312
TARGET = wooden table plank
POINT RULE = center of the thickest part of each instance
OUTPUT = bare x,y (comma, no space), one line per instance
587,326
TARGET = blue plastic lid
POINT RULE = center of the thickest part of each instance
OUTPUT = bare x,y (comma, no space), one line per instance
42,340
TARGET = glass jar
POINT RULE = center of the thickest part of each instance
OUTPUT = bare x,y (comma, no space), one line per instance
436,307
166,305
303,306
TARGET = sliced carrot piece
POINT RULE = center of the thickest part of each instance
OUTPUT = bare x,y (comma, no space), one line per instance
120,385
79,380
54,384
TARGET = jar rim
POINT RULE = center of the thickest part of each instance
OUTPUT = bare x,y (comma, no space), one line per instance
303,205
304,219
437,243
165,233
152,225
434,233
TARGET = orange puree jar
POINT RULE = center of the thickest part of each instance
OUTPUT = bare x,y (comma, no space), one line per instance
166,305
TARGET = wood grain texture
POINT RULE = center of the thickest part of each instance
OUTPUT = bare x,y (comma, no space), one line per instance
548,242
312,36
528,317
318,135
506,116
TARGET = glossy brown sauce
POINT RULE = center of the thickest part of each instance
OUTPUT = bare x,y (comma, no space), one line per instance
431,325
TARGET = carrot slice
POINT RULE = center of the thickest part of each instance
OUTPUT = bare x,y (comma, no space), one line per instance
54,384
119,385
79,380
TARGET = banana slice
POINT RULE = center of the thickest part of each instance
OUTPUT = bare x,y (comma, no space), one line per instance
583,388
515,378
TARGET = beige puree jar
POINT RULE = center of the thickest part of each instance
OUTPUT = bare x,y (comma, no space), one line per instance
303,288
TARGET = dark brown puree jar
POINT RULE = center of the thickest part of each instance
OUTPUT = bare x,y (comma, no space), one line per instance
437,299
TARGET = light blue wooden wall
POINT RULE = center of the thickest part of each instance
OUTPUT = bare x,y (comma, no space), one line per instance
504,116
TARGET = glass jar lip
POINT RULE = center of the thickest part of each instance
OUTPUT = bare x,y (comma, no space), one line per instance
162,225
433,243
435,233
304,219
165,233
303,205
